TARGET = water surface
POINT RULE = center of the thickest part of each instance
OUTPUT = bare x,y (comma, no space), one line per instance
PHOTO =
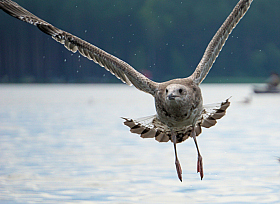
67,144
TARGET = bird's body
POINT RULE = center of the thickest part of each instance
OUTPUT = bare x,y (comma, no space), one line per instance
179,103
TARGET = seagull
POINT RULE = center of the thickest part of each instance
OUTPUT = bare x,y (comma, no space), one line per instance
180,112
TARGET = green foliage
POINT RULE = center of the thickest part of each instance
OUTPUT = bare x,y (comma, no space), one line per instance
165,37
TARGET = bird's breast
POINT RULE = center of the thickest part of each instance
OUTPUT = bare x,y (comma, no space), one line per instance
178,116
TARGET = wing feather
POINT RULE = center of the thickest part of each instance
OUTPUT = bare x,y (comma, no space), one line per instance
216,44
117,67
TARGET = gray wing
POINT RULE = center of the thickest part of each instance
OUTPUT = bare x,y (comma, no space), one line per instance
117,67
216,44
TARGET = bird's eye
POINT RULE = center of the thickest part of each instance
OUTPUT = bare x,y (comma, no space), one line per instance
180,91
166,90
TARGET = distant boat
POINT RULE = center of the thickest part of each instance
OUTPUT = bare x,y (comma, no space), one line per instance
266,89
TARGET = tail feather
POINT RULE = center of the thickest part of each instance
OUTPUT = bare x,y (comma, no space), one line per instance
150,133
210,116
162,137
146,127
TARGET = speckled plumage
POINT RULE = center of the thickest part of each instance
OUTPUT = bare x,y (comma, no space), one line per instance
179,104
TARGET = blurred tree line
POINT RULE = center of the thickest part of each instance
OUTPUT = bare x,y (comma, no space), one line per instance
162,38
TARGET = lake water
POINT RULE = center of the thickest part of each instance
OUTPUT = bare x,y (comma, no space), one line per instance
67,144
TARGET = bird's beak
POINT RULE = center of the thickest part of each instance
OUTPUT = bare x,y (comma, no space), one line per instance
171,97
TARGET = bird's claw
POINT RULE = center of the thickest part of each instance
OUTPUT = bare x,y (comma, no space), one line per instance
200,166
179,170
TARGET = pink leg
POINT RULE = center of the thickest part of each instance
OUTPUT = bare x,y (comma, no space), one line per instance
177,163
199,160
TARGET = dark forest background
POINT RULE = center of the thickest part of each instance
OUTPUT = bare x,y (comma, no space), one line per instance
162,38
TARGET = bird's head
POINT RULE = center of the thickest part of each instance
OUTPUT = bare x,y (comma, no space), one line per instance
176,93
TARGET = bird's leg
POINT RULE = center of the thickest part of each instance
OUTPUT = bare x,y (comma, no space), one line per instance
177,163
199,160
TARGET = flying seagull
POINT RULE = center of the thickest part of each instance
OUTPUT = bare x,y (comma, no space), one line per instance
179,104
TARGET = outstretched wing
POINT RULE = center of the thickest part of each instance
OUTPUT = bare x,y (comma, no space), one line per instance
117,67
216,44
